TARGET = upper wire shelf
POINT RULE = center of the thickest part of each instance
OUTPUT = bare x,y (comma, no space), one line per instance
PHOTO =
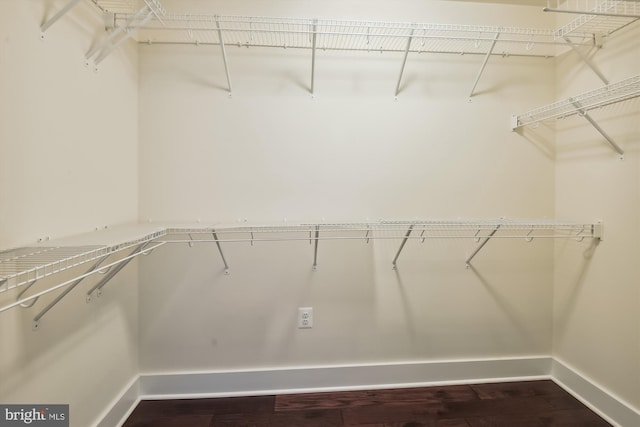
601,97
376,36
601,17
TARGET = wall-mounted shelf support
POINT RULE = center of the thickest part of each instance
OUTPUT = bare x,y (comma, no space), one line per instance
481,245
112,272
58,15
484,63
404,241
586,60
597,127
224,261
125,31
36,319
315,249
81,276
404,60
224,54
313,55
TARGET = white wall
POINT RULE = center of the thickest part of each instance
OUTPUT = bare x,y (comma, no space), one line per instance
68,164
597,292
353,152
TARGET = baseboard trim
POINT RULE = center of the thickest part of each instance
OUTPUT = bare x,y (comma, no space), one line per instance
121,407
613,409
333,378
185,385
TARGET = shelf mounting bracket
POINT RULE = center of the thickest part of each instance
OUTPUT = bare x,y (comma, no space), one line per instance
597,127
404,241
97,288
57,16
484,64
479,248
313,55
315,249
586,60
224,261
36,319
404,60
224,55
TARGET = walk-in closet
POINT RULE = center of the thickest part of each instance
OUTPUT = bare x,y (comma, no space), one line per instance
217,199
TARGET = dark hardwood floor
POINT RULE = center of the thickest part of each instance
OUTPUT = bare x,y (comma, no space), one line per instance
517,404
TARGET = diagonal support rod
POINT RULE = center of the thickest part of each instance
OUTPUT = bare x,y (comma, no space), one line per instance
586,60
597,127
129,33
224,54
68,282
404,60
484,64
313,56
315,249
98,286
36,319
224,261
58,15
115,33
479,248
404,241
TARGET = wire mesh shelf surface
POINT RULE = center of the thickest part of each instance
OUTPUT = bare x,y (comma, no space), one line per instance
376,36
603,17
382,230
26,265
601,97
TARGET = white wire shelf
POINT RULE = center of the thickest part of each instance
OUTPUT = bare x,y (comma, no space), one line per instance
421,229
24,266
128,6
372,36
600,17
601,97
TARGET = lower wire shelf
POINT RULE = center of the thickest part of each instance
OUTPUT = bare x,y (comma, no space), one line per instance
23,267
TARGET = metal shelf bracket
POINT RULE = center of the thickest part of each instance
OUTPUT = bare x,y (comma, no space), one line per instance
224,54
122,33
404,60
484,63
597,127
404,241
57,16
315,249
479,248
224,261
39,316
313,55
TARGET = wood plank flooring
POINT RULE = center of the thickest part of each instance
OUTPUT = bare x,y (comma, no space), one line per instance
517,404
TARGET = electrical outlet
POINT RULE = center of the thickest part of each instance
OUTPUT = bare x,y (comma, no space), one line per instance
305,317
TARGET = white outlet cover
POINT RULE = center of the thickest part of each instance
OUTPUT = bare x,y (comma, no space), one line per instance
305,317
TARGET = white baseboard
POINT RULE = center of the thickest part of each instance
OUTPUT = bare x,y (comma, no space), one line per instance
121,407
185,385
331,378
597,398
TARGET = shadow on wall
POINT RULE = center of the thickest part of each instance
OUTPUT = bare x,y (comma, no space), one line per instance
567,305
540,136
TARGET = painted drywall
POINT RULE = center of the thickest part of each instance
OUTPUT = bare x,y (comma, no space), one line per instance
68,164
353,152
597,289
